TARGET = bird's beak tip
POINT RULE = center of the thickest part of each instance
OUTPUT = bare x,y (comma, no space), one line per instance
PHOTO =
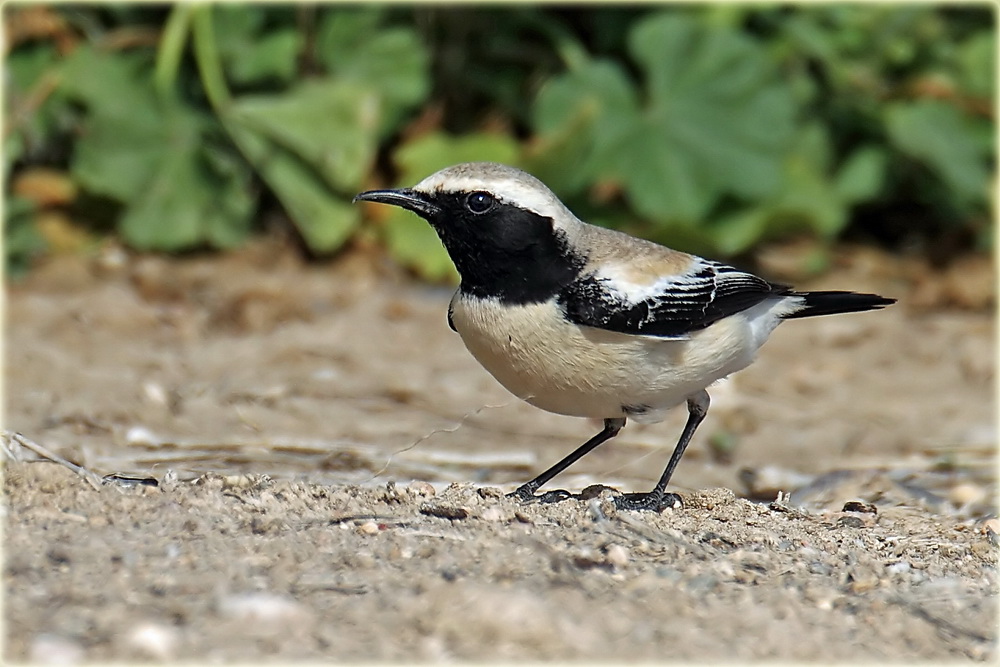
370,195
404,198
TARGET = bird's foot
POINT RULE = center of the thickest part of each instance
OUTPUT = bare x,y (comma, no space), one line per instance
649,502
527,494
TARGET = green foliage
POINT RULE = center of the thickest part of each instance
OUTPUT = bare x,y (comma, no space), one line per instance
712,127
252,53
22,242
696,136
725,139
183,168
390,61
936,135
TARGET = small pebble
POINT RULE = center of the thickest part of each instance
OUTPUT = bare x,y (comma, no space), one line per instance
445,511
991,529
49,649
368,528
851,522
111,258
140,435
155,393
421,488
859,506
154,640
863,582
962,495
990,524
899,568
617,555
267,613
494,513
364,560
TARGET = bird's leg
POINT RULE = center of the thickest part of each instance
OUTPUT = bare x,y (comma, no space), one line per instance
527,491
656,500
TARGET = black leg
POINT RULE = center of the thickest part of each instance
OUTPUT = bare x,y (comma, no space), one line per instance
527,491
656,500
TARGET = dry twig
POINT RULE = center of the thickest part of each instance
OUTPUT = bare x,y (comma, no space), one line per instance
12,440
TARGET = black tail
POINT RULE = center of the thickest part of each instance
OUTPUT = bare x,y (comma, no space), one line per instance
831,303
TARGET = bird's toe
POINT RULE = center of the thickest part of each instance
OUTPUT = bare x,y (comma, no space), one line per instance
526,495
649,502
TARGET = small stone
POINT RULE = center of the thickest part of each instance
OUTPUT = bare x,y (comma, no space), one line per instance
154,640
710,499
494,513
267,613
444,511
901,567
155,394
368,528
863,582
421,488
49,649
991,529
963,495
364,560
140,435
617,556
490,492
990,525
851,522
595,491
858,506
111,258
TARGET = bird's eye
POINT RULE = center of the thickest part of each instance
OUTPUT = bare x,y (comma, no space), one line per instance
480,202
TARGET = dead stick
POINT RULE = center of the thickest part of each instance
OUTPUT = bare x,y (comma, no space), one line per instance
91,477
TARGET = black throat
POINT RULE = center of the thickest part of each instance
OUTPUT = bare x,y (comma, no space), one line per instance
509,253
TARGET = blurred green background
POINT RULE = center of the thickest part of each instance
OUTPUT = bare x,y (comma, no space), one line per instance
708,127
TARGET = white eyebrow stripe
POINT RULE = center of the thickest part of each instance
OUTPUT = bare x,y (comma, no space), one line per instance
513,192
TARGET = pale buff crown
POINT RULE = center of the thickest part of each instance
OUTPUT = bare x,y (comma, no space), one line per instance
507,184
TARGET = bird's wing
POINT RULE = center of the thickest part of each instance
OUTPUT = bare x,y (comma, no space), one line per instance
672,306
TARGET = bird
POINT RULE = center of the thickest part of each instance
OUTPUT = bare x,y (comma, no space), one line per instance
586,321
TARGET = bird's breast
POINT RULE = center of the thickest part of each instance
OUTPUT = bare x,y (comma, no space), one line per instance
534,352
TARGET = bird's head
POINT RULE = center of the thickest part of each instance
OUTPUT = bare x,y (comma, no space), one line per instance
484,197
497,222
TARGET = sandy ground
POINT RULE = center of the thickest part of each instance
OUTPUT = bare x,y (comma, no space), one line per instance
305,463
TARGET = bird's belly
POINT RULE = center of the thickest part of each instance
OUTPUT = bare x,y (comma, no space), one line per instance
586,372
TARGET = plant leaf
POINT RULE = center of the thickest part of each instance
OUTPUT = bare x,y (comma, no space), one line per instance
125,132
324,218
250,52
330,124
579,116
718,121
862,175
187,202
936,134
356,47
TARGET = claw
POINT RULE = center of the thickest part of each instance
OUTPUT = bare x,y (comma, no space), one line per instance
649,502
522,493
556,496
526,495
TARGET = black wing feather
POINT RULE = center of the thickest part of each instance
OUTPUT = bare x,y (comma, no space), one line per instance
691,303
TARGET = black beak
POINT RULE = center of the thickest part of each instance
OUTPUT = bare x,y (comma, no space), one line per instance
411,200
